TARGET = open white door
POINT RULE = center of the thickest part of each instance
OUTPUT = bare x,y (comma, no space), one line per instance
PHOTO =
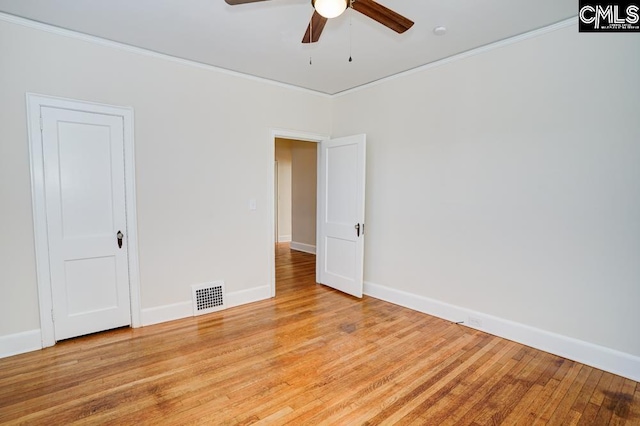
341,186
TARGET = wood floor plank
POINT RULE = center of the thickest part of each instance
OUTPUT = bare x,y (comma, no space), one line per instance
508,397
309,356
469,393
367,404
633,413
567,393
588,388
622,404
484,408
612,396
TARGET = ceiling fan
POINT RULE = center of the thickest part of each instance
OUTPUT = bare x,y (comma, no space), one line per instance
327,9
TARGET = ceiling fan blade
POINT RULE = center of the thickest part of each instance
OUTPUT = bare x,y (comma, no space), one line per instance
235,2
385,16
316,25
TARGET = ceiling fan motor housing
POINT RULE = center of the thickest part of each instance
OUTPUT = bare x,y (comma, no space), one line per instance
329,8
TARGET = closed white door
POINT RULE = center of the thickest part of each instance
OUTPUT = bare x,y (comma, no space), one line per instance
341,214
85,208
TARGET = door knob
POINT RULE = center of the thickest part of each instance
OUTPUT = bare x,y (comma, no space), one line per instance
357,229
120,236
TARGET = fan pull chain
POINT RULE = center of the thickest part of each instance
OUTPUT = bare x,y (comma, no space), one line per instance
310,38
350,40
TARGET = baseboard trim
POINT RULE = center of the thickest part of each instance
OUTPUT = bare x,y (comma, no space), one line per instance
307,248
19,343
284,238
160,314
27,341
182,310
613,361
250,295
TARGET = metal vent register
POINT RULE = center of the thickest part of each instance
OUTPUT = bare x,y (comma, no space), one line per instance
208,297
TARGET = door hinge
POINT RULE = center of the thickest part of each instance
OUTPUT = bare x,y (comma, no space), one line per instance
41,125
53,316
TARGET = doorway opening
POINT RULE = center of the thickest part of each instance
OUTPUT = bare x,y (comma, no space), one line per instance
294,201
340,205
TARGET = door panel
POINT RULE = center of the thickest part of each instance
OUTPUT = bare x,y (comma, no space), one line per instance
85,196
341,260
341,238
85,178
89,285
342,184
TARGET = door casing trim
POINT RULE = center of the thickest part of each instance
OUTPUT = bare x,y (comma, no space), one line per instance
34,104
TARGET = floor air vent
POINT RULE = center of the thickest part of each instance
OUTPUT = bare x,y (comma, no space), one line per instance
208,297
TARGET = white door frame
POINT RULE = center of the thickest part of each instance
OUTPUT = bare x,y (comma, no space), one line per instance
285,134
34,104
276,196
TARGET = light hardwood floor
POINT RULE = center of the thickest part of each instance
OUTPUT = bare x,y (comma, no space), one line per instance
310,356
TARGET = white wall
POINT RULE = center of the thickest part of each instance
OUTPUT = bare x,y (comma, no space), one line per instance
283,157
203,142
303,193
508,183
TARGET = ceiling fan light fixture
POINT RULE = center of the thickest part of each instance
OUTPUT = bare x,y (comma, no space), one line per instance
329,8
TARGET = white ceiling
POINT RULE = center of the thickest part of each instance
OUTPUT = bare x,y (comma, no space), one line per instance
264,39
